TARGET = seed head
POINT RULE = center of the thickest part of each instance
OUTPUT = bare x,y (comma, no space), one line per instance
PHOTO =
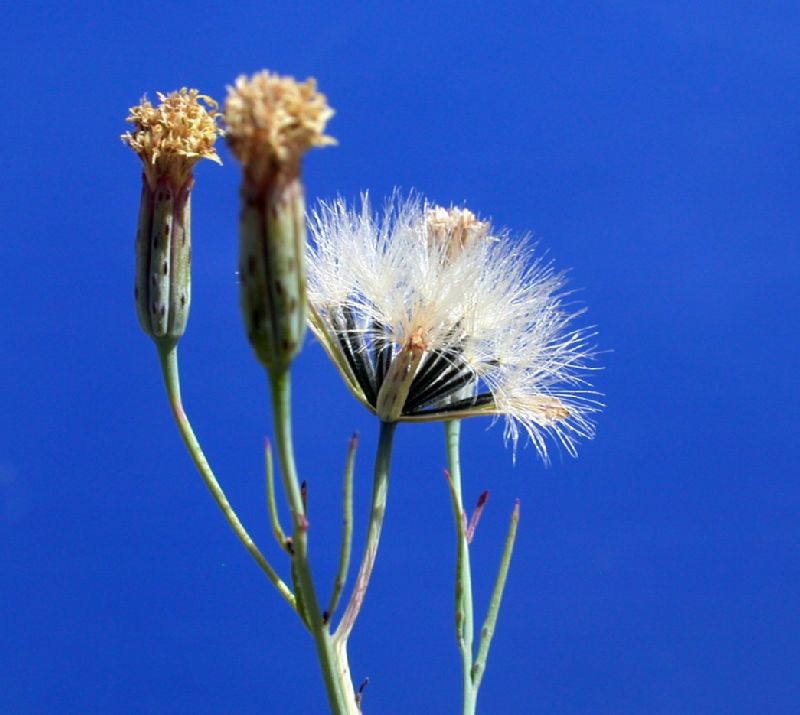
429,314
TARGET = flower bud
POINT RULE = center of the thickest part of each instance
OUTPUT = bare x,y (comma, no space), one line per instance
170,139
271,123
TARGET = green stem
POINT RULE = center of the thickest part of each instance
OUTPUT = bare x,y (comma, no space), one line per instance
464,609
341,696
487,632
272,505
380,487
347,532
168,353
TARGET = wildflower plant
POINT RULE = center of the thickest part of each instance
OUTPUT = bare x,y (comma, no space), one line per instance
428,313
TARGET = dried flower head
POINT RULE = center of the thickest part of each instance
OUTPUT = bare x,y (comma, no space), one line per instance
172,137
430,315
454,229
272,121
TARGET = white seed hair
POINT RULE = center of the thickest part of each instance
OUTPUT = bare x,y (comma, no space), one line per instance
499,309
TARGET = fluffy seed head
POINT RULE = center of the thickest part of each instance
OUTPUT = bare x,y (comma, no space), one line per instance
172,137
272,121
429,314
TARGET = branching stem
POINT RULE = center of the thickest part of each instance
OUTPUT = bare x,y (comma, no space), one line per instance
168,353
463,595
341,695
380,487
473,666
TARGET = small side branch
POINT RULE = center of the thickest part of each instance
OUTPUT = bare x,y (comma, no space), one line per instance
380,489
284,541
487,632
347,532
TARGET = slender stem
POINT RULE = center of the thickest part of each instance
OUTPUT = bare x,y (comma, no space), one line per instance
347,532
487,632
341,695
169,365
380,487
463,596
277,529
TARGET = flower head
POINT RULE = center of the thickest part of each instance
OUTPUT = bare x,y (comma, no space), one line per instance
169,139
272,121
172,137
431,315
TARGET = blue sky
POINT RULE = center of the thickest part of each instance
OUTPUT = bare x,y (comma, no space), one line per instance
650,147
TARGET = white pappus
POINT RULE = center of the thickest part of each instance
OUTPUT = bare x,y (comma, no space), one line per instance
429,314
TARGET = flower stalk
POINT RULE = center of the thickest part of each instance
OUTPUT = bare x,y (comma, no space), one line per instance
473,664
341,695
380,490
463,590
169,365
